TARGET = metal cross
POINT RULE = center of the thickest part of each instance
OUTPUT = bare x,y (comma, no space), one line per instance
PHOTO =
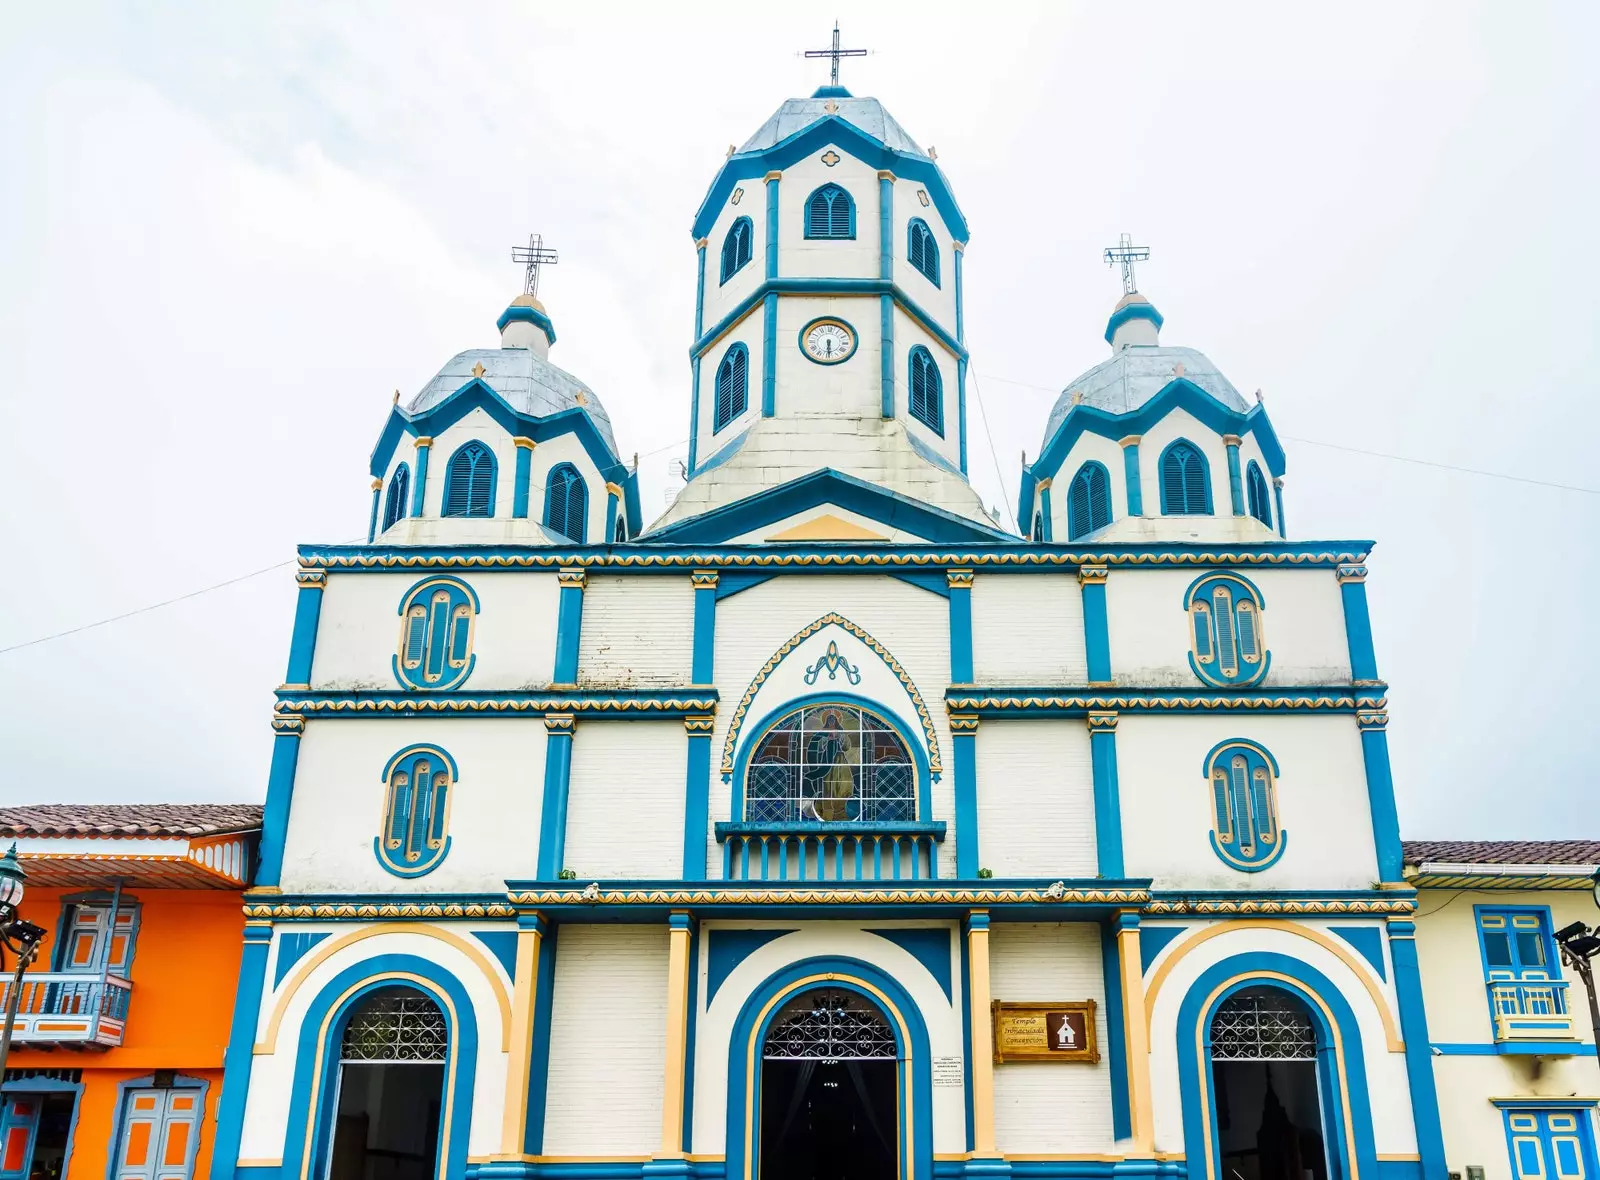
1127,254
835,53
533,256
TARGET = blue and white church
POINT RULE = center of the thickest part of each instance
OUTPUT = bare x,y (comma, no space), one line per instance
824,826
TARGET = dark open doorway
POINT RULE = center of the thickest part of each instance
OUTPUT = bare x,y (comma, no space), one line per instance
1268,1100
391,1086
829,1091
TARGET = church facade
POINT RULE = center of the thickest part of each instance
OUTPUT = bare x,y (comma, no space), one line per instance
825,825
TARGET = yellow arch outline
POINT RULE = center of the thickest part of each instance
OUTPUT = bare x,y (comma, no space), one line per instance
269,1043
1391,1033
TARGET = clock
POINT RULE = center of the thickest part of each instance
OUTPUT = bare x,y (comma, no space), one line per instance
827,341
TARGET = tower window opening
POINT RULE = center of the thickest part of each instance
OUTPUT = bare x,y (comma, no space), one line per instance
469,482
394,501
736,247
1260,500
927,397
733,387
566,503
922,251
830,213
1088,501
1185,481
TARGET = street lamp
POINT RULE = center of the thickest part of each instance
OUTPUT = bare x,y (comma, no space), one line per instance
20,937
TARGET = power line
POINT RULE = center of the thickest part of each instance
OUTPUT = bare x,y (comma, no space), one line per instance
989,434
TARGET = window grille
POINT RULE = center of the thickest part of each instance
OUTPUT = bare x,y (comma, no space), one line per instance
733,387
1260,501
736,247
922,250
469,482
1088,501
395,1026
830,213
566,503
927,401
830,763
1262,1026
394,505
829,1026
1185,482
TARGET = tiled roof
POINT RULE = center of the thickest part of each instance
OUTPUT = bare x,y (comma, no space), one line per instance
1503,852
131,819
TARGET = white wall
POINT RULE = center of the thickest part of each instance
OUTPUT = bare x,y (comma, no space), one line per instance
607,1041
908,333
749,332
851,388
939,301
638,632
721,298
1106,452
1027,629
1036,799
625,803
831,258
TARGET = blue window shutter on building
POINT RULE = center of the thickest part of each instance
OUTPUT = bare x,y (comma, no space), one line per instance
927,400
736,247
394,505
1185,482
922,251
566,503
1260,500
469,482
733,387
1088,501
830,213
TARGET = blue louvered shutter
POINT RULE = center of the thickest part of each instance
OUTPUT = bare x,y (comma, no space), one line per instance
923,250
1260,503
926,404
1099,497
566,503
416,635
830,213
1239,788
817,214
394,506
1172,482
839,224
1196,495
733,384
577,509
400,809
1184,490
555,502
469,482
1078,518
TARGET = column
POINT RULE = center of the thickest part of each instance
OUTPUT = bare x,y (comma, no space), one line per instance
420,487
287,729
694,418
958,253
672,1158
613,506
1044,508
307,615
772,223
1130,471
1357,624
1235,483
697,773
1096,624
985,1158
769,357
960,584
1135,1035
886,225
700,289
519,490
1107,797
964,755
886,354
1277,494
531,930
1373,724
1419,1050
961,406
569,625
559,729
240,1055
372,521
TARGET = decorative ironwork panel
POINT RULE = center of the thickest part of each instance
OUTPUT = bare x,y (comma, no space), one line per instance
831,763
396,1026
829,1026
1262,1026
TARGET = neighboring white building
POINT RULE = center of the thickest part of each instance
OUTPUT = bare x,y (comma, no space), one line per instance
598,847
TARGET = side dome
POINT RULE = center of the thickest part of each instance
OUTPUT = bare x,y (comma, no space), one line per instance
527,384
1135,375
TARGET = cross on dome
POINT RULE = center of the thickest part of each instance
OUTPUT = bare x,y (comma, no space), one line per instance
835,53
1127,254
534,255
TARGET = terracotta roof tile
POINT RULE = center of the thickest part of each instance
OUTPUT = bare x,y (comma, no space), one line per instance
1503,852
129,819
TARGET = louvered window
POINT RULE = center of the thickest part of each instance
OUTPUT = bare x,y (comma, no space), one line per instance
394,500
922,250
469,482
736,247
733,387
1038,528
437,617
1228,648
566,503
1244,802
1185,481
1260,502
927,396
416,811
1088,501
830,213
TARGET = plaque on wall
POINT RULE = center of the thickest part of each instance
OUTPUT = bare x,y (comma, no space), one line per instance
1045,1032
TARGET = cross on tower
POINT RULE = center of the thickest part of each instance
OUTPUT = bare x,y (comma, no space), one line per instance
533,256
835,53
1127,254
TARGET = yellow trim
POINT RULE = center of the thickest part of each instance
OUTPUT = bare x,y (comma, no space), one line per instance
524,442
982,1061
614,490
773,176
514,1121
827,527
269,1043
677,1043
424,440
1390,1031
277,1163
1131,440
1136,1042
1403,1158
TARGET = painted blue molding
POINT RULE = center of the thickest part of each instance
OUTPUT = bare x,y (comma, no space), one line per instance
1153,940
692,1000
280,794
928,945
726,949
961,318
527,315
885,227
1277,494
1358,629
961,634
303,640
1116,1035
700,290
520,478
569,629
240,1054
732,582
1045,531
964,747
964,950
1516,1049
1368,942
769,357
772,227
961,407
1419,1058
1130,473
502,944
1134,311
1107,801
372,523
418,813
1380,799
437,619
292,947
539,1059
1096,632
420,488
932,583
886,355
697,806
1235,482
694,418
553,811
703,661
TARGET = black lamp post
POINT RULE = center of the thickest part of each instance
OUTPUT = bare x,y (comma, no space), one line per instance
20,937
1579,944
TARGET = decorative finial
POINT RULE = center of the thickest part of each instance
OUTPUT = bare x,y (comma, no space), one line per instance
933,152
731,150
835,53
1260,401
396,400
1126,253
534,255
1177,369
478,370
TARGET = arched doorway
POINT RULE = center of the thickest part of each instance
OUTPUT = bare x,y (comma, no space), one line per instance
389,1089
1270,1085
829,1090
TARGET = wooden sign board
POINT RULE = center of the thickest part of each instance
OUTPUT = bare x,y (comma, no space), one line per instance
1061,1032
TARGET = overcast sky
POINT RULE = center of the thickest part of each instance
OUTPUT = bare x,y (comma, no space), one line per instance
229,232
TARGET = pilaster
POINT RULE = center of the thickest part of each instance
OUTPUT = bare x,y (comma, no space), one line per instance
1277,495
559,730
1235,481
419,489
1373,724
287,729
772,226
1096,624
1135,1036
523,476
960,584
1419,1051
531,930
1107,796
697,796
886,225
240,1055
1044,511
964,755
985,1158
372,521
672,1158
769,356
613,506
886,354
569,624
1130,472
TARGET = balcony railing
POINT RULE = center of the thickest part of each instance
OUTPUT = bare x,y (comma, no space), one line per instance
830,851
1530,1010
71,1010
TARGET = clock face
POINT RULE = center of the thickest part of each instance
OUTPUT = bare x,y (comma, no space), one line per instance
828,342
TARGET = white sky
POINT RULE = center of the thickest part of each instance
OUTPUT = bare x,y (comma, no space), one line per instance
228,232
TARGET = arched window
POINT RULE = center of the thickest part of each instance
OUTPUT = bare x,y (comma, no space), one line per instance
1244,801
566,503
830,213
469,482
1260,501
1185,481
1088,501
829,1025
831,763
733,387
927,397
1038,528
1228,647
736,247
1262,1024
437,619
416,811
922,250
394,500
390,1087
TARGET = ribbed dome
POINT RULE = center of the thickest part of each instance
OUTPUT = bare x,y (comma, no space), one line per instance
1135,375
528,385
866,114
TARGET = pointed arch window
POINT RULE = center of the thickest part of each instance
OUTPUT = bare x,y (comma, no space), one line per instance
394,500
736,247
566,503
927,394
418,782
1185,481
1256,487
437,620
831,763
733,387
1228,646
469,481
1088,501
922,250
830,213
1242,777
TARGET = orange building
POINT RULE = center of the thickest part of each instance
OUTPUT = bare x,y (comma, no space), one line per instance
116,1058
